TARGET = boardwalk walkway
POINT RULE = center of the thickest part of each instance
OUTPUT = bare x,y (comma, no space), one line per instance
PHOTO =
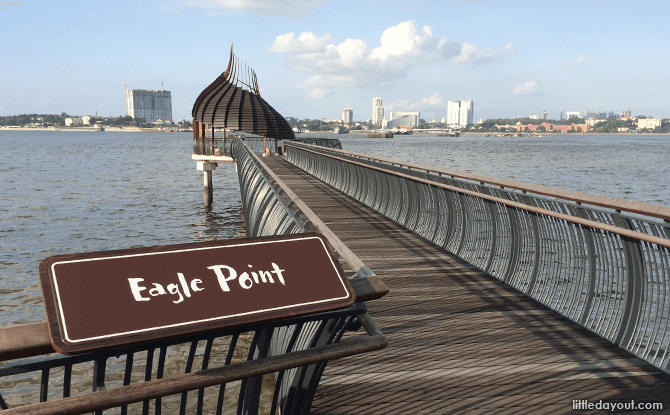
460,341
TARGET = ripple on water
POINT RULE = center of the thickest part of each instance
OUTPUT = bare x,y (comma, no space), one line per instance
127,202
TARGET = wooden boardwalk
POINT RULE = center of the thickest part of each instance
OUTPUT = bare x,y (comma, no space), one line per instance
461,341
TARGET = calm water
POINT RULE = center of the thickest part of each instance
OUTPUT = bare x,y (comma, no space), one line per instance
632,167
68,192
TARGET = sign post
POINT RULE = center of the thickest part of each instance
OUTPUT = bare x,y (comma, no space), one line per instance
102,300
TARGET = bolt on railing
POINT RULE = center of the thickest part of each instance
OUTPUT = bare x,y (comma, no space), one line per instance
606,270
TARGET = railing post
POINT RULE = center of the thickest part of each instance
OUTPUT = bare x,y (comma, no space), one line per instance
591,255
493,214
634,286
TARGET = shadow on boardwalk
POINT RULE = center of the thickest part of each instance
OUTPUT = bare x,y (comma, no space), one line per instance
459,339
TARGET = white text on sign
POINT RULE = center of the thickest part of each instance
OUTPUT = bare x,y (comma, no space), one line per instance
224,275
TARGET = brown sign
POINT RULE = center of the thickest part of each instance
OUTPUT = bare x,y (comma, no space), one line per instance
107,299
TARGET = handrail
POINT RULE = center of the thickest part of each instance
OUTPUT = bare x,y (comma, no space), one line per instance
29,340
585,222
607,271
623,205
157,388
356,264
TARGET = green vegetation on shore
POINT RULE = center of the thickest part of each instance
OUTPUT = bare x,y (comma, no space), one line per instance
55,120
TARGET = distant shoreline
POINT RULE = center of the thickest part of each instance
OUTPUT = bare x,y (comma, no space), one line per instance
112,129
145,130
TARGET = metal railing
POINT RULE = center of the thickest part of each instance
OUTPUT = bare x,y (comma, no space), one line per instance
324,141
267,212
606,270
222,147
148,373
161,374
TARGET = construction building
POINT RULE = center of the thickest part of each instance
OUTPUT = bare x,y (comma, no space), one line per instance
149,104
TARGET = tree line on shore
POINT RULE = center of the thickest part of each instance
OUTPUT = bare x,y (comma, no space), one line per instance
55,120
610,125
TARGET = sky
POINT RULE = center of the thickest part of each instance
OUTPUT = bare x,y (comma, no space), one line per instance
314,58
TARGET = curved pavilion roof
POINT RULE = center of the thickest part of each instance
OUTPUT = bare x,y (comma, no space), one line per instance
225,104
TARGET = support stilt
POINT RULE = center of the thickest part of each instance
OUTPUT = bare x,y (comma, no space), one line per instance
209,191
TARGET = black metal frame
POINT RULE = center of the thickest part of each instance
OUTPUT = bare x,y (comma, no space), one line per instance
294,389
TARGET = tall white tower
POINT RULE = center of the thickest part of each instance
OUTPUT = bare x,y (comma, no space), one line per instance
377,112
460,113
348,115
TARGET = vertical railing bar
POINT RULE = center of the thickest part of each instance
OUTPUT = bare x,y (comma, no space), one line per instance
44,385
280,377
187,369
126,377
291,400
205,365
335,334
99,366
147,376
160,369
222,387
67,379
250,356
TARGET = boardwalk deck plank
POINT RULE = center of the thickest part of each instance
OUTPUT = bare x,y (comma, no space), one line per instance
460,341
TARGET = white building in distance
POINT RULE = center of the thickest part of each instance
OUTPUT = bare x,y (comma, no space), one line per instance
347,115
73,122
149,104
403,119
377,112
541,116
460,113
648,123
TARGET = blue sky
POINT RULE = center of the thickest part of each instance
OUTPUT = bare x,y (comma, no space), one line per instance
315,57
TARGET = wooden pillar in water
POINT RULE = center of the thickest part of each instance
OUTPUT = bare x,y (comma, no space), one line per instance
209,191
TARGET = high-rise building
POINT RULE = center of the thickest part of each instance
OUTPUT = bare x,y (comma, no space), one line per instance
404,119
626,113
347,115
377,112
149,104
460,113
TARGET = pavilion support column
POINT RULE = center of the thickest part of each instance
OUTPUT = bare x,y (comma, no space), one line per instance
206,167
209,191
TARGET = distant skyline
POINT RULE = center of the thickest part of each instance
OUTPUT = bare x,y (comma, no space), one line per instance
314,58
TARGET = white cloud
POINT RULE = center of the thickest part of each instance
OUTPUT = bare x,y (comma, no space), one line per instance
317,93
403,47
305,43
577,61
471,53
267,7
405,40
434,102
526,89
